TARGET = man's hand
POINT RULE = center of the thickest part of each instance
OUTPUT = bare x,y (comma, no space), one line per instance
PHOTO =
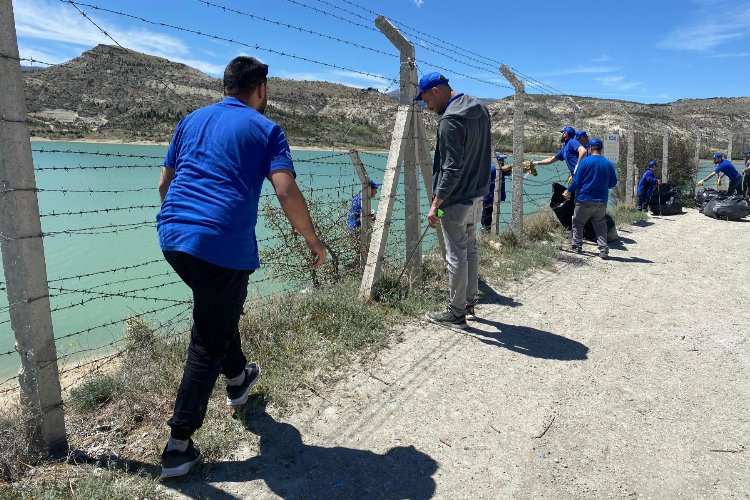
699,183
566,194
432,218
318,251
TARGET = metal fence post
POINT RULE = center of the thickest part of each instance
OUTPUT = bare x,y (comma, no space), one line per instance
516,222
407,92
665,157
23,255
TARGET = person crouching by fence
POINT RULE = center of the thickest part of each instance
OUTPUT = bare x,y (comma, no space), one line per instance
591,182
726,168
488,202
646,186
460,176
210,187
354,222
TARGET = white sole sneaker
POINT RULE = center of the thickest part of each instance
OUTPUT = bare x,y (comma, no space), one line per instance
241,400
178,471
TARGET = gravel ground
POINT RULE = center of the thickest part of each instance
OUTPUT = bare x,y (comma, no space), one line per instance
620,379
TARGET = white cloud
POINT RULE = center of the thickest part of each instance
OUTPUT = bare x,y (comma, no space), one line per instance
617,82
418,3
581,70
727,55
40,20
601,58
716,23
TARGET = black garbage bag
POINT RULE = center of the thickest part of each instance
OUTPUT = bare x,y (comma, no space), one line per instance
728,208
563,210
704,195
665,201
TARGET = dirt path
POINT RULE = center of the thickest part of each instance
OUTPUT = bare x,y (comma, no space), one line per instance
621,379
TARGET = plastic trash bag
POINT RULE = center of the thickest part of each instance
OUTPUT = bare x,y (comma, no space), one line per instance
665,201
731,208
705,195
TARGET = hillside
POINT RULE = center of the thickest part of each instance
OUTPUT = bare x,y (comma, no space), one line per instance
112,93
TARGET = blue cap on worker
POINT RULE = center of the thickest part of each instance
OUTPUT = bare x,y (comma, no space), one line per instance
747,152
570,131
718,156
596,143
652,164
374,185
581,133
500,157
429,81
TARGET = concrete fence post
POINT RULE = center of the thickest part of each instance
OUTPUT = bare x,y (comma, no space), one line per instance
665,157
516,221
729,146
23,256
630,172
696,159
366,222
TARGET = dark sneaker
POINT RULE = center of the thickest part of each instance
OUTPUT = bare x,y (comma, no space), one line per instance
576,249
177,463
447,318
237,394
604,254
471,314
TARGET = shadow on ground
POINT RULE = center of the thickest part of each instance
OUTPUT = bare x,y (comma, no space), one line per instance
529,341
292,469
491,296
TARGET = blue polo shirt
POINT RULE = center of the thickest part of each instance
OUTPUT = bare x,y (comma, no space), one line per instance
593,179
569,154
647,182
221,155
489,198
726,167
355,213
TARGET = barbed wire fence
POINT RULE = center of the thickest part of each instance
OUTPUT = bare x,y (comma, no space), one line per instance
83,215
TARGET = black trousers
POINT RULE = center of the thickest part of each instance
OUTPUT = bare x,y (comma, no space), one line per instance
487,216
218,296
734,186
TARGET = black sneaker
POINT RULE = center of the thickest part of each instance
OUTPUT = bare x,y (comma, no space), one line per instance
447,318
604,254
176,463
237,394
576,249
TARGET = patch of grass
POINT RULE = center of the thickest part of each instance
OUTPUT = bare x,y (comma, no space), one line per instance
624,215
15,453
541,226
94,392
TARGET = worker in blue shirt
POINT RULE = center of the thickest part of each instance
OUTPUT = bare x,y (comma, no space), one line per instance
726,168
488,200
583,137
210,186
572,152
591,182
646,186
355,211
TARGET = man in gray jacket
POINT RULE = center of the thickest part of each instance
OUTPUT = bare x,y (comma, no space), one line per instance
460,176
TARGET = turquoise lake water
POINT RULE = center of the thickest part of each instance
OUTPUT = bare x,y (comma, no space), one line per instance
96,242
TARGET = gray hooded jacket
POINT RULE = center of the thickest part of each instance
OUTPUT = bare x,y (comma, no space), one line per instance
463,154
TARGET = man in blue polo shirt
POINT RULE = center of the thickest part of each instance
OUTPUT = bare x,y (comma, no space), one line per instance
572,152
646,186
488,200
591,183
726,168
210,187
355,211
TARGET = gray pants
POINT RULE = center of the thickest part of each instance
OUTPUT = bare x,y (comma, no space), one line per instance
595,211
459,225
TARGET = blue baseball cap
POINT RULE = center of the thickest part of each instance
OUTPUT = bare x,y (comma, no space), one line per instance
500,157
429,81
718,156
747,152
581,133
652,164
570,131
374,185
596,143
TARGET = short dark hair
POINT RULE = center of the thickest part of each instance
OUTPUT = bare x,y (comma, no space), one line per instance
243,74
597,148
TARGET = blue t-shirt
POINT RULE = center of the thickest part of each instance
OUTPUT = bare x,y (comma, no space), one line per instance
726,167
355,213
593,179
646,184
489,198
569,154
221,155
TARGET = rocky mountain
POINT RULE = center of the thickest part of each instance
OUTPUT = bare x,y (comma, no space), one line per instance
113,93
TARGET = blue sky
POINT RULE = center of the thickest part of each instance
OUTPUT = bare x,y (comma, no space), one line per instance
639,50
